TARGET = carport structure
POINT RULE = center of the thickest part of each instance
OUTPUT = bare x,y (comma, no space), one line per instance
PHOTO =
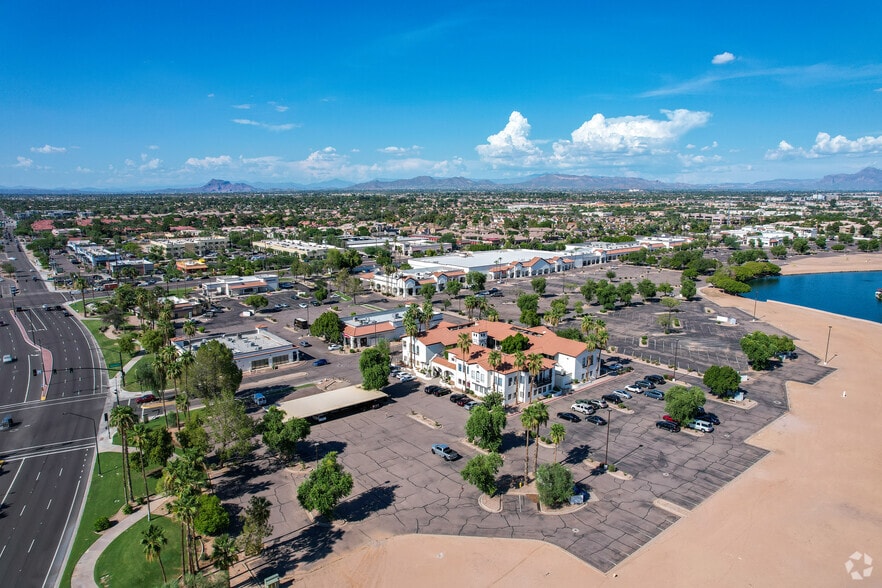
325,403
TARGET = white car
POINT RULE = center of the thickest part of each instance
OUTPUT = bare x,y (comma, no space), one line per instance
334,347
634,388
583,408
701,426
621,394
405,377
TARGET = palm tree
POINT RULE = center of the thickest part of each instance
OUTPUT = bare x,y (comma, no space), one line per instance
464,344
174,370
596,335
494,358
224,555
189,331
471,302
534,368
153,539
520,361
529,420
492,314
427,311
187,360
139,437
182,404
124,418
79,283
411,329
541,418
558,434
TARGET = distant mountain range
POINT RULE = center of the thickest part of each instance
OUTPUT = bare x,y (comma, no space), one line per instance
866,180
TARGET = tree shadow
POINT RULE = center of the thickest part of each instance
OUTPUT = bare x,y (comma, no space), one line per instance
311,544
507,482
511,440
577,454
374,500
401,389
314,450
242,480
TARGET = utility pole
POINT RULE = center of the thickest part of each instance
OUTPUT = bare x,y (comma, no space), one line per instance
827,350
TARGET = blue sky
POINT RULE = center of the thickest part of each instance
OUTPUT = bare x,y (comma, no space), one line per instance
139,95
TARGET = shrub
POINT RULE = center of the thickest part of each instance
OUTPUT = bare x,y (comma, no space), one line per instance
211,517
101,524
127,509
612,468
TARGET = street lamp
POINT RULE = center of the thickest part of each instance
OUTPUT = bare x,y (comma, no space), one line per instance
608,427
827,350
95,429
676,351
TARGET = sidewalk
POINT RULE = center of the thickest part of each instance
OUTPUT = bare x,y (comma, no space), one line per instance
84,573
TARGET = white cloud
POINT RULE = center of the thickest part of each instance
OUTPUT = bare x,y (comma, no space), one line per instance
511,145
23,162
83,170
153,147
130,163
393,150
713,145
723,58
150,165
48,149
211,95
209,162
242,106
826,145
627,135
269,127
697,160
278,107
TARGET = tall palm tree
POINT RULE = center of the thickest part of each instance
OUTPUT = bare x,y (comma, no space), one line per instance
224,555
426,313
529,420
520,361
124,418
558,434
541,418
139,436
492,314
153,539
534,368
411,329
494,358
189,331
173,370
182,405
471,302
188,358
464,344
79,283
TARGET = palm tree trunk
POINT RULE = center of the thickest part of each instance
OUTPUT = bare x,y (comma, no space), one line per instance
183,550
161,567
526,455
146,487
127,486
536,461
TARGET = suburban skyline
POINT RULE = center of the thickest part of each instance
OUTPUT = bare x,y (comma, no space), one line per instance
119,97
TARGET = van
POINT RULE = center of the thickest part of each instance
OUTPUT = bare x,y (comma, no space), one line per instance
701,425
259,399
668,426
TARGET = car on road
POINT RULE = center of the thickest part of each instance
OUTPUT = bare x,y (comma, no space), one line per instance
315,302
445,451
145,398
430,389
335,347
441,391
597,420
568,416
655,379
320,361
673,427
583,408
654,394
634,388
66,313
622,394
304,343
6,423
8,358
465,399
702,426
613,398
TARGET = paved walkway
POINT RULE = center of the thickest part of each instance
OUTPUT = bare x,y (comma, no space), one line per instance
84,573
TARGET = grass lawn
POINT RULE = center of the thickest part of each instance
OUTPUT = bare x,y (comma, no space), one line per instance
159,422
123,562
132,384
105,499
108,346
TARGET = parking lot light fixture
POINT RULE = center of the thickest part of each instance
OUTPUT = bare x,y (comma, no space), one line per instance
608,427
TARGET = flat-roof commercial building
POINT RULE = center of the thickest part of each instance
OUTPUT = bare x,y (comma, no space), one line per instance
174,248
233,286
252,350
304,249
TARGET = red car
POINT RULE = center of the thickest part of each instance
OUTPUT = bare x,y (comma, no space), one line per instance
670,419
144,398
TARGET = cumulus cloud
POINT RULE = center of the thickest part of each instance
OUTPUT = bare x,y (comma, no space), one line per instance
209,162
268,127
826,145
23,162
723,58
83,170
48,149
393,150
278,107
511,145
628,135
242,106
150,164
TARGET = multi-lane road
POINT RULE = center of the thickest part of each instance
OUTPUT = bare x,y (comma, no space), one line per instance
50,450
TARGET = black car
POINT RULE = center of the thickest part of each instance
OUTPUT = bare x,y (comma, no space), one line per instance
668,426
597,420
645,384
655,379
611,398
568,416
430,389
457,397
439,392
463,401
710,417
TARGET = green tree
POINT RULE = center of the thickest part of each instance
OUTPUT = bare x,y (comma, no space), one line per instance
557,433
152,340
688,289
646,289
681,402
481,472
533,417
606,295
325,487
728,284
211,517
485,426
670,304
223,554
760,348
800,245
427,291
452,288
123,418
229,427
554,483
476,280
722,380
139,436
374,367
214,371
153,539
256,301
514,343
588,289
281,436
539,284
779,251
494,360
625,292
610,275
255,525
328,326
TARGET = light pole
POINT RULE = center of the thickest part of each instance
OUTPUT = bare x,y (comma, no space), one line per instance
95,429
827,350
676,350
608,427
754,306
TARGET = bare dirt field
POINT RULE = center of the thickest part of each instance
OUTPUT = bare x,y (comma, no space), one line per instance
793,519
